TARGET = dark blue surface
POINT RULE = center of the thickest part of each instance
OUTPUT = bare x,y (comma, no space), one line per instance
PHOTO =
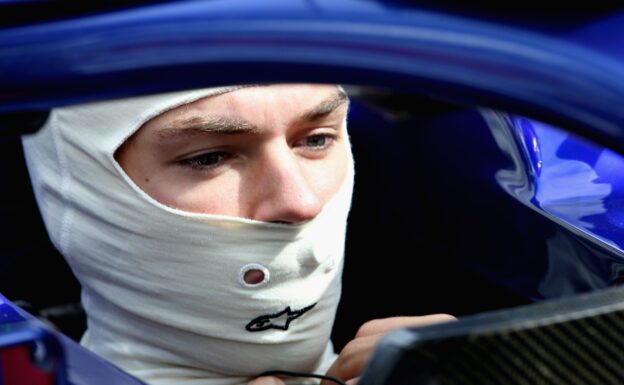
184,44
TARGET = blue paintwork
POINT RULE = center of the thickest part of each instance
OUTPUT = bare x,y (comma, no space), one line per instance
575,184
74,364
571,78
185,44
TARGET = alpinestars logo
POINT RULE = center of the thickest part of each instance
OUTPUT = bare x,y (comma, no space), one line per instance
280,320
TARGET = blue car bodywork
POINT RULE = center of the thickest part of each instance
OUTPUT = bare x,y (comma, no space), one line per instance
521,182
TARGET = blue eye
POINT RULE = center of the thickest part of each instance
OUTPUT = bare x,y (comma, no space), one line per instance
206,160
318,141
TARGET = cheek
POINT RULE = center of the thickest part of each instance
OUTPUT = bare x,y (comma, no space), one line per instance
219,196
327,178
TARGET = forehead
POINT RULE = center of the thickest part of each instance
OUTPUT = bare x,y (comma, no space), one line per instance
282,99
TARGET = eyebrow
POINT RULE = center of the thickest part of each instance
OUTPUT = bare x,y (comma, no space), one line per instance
227,125
326,107
206,124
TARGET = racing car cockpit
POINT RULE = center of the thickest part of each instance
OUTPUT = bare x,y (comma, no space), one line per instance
488,158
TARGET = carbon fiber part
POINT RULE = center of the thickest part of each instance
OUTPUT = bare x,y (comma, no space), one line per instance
574,341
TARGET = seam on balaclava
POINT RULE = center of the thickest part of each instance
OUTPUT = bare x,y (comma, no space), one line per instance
64,231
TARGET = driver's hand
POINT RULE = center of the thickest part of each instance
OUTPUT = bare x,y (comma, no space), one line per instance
353,357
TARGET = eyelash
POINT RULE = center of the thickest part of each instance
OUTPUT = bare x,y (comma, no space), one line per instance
198,162
328,141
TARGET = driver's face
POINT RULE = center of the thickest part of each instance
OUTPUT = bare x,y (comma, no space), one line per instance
271,153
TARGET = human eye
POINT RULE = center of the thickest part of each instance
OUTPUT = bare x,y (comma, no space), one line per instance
316,142
206,160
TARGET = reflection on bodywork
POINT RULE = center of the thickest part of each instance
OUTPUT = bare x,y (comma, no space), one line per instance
567,188
572,182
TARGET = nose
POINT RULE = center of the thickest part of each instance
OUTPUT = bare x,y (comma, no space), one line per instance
282,191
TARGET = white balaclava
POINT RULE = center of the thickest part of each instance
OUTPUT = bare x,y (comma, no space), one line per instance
163,289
